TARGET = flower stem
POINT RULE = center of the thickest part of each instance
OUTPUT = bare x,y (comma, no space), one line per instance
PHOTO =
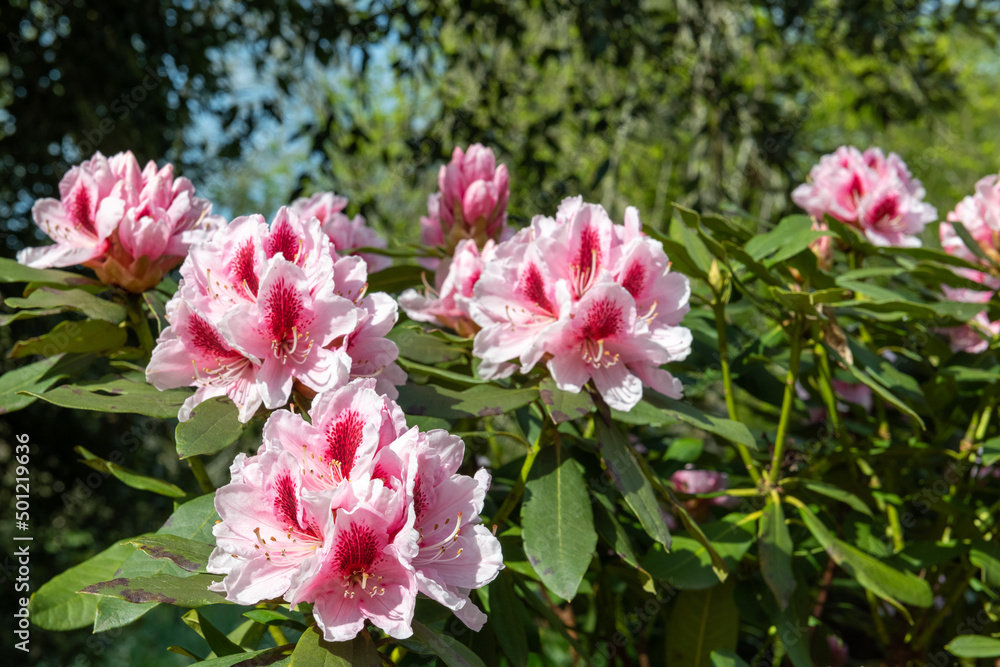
200,474
788,400
727,383
140,323
515,494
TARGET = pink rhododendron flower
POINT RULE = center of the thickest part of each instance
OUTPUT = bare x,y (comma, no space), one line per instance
693,481
447,305
355,513
345,233
870,191
130,226
472,201
980,215
262,310
595,300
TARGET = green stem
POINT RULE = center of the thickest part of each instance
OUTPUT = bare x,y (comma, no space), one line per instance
826,388
949,606
727,383
788,400
880,629
515,494
200,474
277,635
140,323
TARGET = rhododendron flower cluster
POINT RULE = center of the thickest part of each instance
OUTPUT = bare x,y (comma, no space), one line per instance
870,191
345,233
130,226
448,303
355,513
261,310
471,203
980,215
591,299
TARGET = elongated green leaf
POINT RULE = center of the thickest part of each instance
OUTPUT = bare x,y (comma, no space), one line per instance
217,641
73,336
628,476
395,279
193,520
701,622
791,236
450,650
891,585
130,477
314,651
129,393
58,605
13,272
558,522
261,658
31,377
986,556
974,646
792,626
213,426
727,659
424,346
719,565
563,406
188,592
480,401
6,320
189,555
837,493
507,619
775,552
90,305
728,429
282,617
414,368
688,565
609,528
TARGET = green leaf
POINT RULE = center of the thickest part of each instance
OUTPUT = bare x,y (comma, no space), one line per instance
728,429
32,377
481,401
130,477
58,605
775,552
450,650
684,450
837,493
280,617
891,585
13,272
424,347
261,658
214,425
7,319
974,646
128,393
90,305
395,279
73,336
507,620
630,479
688,565
193,520
188,592
792,235
792,626
189,555
991,449
414,368
970,242
727,659
314,651
719,565
609,528
986,556
557,522
701,622
564,406
217,641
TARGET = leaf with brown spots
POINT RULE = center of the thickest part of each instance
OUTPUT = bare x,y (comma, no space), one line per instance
190,592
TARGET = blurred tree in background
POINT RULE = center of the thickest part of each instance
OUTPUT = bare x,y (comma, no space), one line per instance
714,104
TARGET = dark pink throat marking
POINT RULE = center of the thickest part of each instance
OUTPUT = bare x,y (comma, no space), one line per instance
283,310
604,320
243,269
886,209
286,503
207,340
357,550
80,210
343,440
635,279
533,288
283,240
